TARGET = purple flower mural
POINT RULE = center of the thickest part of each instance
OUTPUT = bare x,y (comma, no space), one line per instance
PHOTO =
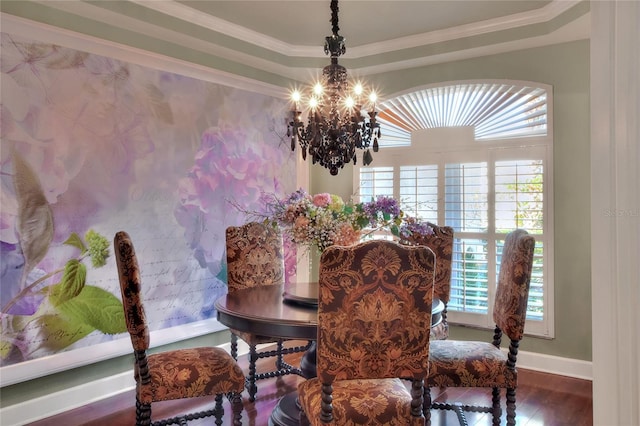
104,145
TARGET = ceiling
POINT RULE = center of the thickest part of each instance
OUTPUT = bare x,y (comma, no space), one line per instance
305,23
285,38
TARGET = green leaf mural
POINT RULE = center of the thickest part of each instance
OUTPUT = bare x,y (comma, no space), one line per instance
75,241
73,279
72,309
97,308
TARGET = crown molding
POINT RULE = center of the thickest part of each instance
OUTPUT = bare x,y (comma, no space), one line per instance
577,29
186,13
60,36
544,14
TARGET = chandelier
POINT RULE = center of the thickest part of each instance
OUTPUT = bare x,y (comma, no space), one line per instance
336,125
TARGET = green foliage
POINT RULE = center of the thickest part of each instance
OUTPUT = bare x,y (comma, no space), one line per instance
72,309
60,332
74,240
73,279
96,308
98,248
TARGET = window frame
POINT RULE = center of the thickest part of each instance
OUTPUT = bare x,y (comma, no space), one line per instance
450,150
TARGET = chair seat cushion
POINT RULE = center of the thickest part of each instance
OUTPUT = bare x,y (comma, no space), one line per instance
461,363
440,331
361,402
188,373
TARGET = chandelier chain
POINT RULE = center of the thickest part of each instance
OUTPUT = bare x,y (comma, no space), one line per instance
334,17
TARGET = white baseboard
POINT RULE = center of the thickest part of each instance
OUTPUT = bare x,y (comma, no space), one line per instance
68,399
555,365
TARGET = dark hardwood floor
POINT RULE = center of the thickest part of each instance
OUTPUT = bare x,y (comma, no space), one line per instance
542,400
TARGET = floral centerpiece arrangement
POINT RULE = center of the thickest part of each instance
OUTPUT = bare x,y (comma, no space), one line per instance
322,220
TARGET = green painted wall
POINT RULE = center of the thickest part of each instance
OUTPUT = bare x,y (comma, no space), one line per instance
565,67
25,391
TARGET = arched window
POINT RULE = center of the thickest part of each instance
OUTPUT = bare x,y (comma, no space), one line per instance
477,156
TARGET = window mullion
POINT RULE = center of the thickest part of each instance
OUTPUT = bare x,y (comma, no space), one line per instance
491,236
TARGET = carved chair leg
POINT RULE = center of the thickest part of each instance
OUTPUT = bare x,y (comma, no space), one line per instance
236,408
234,346
143,413
511,406
279,354
218,411
426,405
251,378
497,410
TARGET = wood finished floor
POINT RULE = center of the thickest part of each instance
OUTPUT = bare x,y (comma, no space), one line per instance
542,400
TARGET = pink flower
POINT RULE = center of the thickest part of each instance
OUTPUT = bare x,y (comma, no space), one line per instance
322,200
346,235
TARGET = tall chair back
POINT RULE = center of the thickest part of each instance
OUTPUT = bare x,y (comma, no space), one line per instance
374,305
484,364
255,258
203,371
441,243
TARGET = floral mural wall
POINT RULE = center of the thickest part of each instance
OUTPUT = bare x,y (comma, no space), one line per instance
91,146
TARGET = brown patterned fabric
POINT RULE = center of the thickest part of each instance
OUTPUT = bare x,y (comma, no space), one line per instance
440,331
177,374
441,243
510,307
374,307
254,256
130,287
368,402
482,364
468,364
189,373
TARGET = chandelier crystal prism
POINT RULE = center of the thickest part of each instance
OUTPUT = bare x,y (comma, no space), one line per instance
336,125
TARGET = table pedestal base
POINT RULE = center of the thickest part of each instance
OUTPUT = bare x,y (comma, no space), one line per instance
287,412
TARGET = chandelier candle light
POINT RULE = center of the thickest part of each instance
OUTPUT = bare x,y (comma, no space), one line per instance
336,125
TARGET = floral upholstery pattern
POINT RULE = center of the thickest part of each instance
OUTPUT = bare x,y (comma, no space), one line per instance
177,374
476,364
483,364
255,257
441,243
190,373
373,309
369,402
510,307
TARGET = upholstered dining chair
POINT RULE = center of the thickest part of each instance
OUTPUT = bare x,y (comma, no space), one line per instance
441,243
483,364
373,307
255,258
176,374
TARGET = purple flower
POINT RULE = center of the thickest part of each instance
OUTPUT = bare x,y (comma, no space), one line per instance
412,226
383,208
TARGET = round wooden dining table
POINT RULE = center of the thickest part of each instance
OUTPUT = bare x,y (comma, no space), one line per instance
283,311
